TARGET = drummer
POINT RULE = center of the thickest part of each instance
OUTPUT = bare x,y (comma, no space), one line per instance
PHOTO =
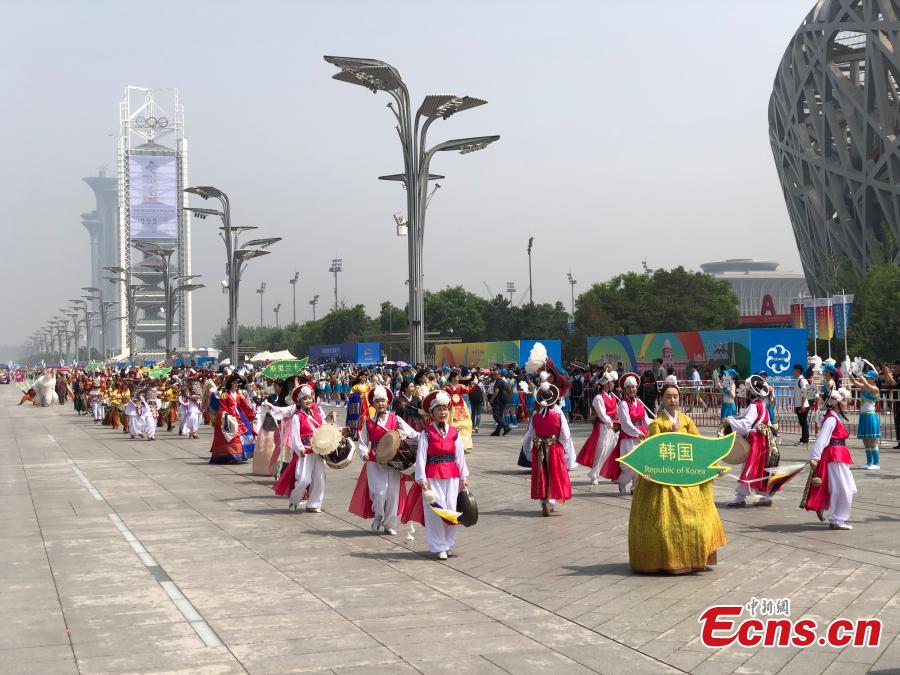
383,480
304,477
441,470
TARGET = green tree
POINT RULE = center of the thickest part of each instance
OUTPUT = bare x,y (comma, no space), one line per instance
392,318
667,300
457,312
875,318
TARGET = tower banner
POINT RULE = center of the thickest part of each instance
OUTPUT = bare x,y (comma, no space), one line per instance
841,306
824,318
809,318
797,318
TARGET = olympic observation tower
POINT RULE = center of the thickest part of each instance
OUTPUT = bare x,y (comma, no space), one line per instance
152,173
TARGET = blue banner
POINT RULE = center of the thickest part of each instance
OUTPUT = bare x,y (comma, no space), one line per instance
841,304
363,353
809,316
554,351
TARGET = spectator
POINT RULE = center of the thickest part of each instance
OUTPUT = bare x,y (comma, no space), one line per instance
500,398
801,403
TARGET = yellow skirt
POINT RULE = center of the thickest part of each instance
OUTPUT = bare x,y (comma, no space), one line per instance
673,529
462,422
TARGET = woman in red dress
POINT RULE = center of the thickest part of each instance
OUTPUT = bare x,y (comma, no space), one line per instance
548,434
460,418
226,446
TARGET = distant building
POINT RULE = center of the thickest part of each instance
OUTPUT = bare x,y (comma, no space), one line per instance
764,294
103,226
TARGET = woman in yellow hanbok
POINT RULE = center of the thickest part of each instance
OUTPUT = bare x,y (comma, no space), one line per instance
671,528
460,418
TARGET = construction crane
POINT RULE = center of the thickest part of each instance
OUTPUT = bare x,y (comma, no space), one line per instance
490,292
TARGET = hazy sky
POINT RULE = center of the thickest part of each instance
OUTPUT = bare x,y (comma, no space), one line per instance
629,132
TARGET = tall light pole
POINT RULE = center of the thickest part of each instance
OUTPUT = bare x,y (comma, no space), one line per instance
123,276
294,287
236,255
88,317
511,289
336,266
173,285
98,296
572,283
530,287
261,290
72,313
313,303
277,309
380,76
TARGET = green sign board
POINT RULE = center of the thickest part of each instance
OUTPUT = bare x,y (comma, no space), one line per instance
679,459
95,365
155,373
279,370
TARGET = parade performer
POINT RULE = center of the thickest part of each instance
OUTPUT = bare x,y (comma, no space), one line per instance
633,422
868,427
150,404
460,418
169,414
754,425
190,414
304,477
830,459
440,473
133,413
228,426
380,488
729,408
408,406
210,389
671,528
96,399
548,435
603,437
115,402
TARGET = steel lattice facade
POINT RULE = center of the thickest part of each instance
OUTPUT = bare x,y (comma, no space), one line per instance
834,122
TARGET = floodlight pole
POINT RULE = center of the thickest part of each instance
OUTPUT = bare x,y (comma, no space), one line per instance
530,287
294,281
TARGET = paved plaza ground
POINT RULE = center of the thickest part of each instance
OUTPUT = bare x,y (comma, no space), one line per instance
128,556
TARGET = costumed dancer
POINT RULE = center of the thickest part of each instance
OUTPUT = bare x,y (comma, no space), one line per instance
671,528
460,418
440,473
150,417
729,407
133,413
830,459
190,413
170,402
548,435
603,437
304,477
380,490
633,422
754,425
868,427
228,426
96,398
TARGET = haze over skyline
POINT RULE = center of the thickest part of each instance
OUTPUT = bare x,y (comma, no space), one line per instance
628,133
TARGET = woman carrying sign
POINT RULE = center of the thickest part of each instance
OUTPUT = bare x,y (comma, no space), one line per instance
672,528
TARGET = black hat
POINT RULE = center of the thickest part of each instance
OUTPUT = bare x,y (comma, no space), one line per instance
467,507
233,378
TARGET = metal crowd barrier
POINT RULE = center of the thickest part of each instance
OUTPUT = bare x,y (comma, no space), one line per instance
703,403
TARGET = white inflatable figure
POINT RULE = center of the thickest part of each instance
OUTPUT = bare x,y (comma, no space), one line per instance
45,390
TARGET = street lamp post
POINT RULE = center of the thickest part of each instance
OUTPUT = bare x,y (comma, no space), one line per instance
236,255
262,291
173,285
572,283
277,309
131,291
336,266
98,296
511,289
530,286
380,76
313,303
294,287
